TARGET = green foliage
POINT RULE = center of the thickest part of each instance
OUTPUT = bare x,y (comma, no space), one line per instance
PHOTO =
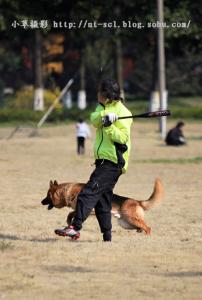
183,46
1,92
184,74
28,115
9,61
10,64
23,99
19,115
186,113
181,108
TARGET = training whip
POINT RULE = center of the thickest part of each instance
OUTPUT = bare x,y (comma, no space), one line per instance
154,114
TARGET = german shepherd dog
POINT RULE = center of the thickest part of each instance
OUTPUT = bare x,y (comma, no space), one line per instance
130,212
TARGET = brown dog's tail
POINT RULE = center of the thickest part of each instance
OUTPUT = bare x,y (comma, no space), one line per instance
156,196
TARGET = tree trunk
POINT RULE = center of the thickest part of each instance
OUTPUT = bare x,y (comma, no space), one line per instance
119,64
38,77
67,99
82,92
154,103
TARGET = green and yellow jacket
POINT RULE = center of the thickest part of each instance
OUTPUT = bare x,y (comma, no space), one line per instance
113,142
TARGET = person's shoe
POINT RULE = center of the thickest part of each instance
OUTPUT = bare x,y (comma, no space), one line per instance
68,231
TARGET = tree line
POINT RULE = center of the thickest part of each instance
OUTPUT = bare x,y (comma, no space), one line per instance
127,53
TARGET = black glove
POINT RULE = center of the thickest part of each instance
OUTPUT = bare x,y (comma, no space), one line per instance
106,122
109,119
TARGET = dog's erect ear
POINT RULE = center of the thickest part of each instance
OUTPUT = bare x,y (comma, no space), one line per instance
51,184
55,182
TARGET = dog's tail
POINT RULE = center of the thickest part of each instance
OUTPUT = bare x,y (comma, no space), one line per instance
155,197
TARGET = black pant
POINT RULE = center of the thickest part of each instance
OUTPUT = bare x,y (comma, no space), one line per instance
97,194
80,145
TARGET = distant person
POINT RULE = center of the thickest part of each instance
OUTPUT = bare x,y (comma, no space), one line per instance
175,136
82,132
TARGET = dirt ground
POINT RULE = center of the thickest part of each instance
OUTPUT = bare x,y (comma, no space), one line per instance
37,264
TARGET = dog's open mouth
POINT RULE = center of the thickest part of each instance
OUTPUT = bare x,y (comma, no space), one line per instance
48,202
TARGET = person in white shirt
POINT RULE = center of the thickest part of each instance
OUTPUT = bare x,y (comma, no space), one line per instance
82,132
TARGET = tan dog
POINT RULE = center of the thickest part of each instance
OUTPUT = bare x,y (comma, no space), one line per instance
130,212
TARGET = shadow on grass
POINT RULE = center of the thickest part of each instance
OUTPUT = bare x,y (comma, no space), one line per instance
68,269
184,274
74,269
192,160
17,238
40,240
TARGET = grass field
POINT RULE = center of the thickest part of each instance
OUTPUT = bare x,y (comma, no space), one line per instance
36,264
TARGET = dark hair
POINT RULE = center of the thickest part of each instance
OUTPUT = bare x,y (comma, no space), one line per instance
80,120
110,89
180,124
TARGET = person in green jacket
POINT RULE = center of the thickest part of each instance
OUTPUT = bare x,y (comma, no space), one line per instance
111,152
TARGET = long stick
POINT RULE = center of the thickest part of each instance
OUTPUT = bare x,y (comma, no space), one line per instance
65,89
153,114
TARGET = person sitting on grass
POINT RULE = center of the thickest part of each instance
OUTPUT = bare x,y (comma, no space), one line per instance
175,136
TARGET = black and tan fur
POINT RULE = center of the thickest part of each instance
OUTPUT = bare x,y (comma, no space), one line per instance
130,212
